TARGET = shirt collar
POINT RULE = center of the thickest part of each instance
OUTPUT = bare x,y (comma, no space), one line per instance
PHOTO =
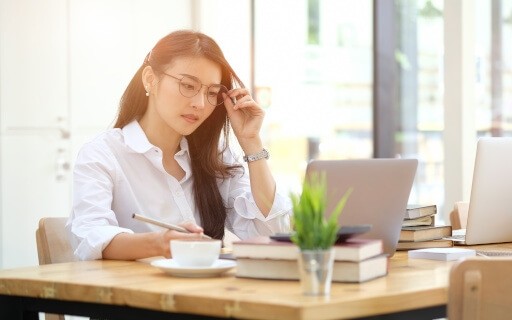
135,138
183,147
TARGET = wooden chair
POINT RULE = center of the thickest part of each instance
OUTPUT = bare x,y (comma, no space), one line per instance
52,241
480,288
53,246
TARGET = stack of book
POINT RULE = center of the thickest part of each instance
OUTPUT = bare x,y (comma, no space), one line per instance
419,229
356,260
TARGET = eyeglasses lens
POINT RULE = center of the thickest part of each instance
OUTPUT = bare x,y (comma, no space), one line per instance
189,87
215,94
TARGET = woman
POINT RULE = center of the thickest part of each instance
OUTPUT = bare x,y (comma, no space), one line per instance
168,158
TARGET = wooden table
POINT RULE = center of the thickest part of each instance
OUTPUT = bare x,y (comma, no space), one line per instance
413,288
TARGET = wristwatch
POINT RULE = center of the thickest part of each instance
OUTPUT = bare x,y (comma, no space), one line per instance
263,154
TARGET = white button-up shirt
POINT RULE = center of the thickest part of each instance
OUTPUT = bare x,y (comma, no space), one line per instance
120,172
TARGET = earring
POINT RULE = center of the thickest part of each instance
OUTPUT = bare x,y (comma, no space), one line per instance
147,93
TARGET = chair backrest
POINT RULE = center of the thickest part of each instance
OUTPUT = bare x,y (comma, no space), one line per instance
53,244
53,247
480,288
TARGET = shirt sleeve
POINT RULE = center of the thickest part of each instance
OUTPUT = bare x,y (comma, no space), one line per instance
92,223
245,218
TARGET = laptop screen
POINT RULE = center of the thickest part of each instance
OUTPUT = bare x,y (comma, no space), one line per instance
381,189
490,205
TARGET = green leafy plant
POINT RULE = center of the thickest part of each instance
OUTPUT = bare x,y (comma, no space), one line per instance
312,229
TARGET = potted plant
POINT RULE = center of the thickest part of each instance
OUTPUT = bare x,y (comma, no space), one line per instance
315,234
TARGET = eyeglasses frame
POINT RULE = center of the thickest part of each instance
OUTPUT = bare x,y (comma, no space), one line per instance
202,85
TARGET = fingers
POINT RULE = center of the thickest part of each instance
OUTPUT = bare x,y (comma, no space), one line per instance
228,103
238,93
192,227
194,230
239,98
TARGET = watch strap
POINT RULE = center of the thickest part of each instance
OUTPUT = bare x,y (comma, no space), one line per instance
263,154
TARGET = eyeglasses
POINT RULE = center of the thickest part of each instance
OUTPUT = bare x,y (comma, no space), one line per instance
189,86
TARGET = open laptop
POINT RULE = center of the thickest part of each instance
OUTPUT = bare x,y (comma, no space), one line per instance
381,189
489,218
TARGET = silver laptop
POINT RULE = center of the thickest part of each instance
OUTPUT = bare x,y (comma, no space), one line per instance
381,189
490,204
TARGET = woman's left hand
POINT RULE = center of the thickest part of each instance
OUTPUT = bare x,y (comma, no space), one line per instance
246,116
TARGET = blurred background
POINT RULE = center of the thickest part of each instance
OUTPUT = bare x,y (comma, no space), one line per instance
339,79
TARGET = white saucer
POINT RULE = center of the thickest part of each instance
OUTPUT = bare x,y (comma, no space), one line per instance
171,267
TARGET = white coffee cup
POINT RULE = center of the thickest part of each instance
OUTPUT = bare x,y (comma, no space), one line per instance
195,253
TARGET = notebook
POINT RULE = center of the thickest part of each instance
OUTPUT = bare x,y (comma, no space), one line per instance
490,206
381,189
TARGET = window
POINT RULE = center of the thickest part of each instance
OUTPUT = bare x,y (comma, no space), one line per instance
313,73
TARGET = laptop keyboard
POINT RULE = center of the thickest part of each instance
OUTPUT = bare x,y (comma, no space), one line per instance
494,253
486,253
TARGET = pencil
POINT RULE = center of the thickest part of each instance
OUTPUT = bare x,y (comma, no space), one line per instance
164,224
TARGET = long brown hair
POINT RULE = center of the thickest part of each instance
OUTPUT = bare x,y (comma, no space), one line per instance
204,148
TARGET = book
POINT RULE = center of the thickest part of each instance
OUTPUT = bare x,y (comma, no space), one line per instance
281,269
353,249
444,254
424,233
421,221
408,245
416,210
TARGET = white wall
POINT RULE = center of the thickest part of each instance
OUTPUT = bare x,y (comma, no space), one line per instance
63,67
33,107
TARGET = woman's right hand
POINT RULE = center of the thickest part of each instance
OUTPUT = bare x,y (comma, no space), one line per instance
166,236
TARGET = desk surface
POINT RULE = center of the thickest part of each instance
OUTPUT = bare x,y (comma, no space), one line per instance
410,284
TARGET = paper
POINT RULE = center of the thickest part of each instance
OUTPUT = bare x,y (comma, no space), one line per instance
443,254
